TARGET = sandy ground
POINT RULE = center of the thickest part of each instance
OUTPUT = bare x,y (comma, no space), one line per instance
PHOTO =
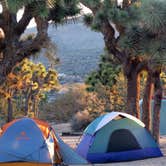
74,140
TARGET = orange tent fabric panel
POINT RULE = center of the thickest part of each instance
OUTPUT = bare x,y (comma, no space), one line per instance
24,164
44,127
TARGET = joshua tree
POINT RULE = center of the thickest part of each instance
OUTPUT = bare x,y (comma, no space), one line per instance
12,49
134,34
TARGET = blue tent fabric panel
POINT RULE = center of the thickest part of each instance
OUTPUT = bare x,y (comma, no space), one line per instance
69,156
124,156
141,134
6,157
145,138
92,126
83,147
41,156
20,138
34,157
103,120
22,141
100,145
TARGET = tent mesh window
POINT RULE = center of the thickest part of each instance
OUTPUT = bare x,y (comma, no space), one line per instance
122,140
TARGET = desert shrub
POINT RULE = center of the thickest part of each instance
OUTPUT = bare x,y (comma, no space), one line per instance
76,105
80,107
80,120
93,107
63,108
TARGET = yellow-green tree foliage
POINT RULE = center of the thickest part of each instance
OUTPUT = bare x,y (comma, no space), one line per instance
26,86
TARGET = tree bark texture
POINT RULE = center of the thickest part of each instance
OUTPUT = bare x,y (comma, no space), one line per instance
27,103
133,94
157,104
35,108
146,104
10,110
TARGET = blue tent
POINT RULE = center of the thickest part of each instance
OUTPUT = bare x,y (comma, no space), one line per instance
22,140
30,142
115,137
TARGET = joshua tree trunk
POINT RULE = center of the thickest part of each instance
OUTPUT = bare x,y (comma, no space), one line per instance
132,68
157,104
146,104
27,104
10,110
133,94
35,107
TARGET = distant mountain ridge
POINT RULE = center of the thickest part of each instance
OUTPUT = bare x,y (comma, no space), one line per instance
78,47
